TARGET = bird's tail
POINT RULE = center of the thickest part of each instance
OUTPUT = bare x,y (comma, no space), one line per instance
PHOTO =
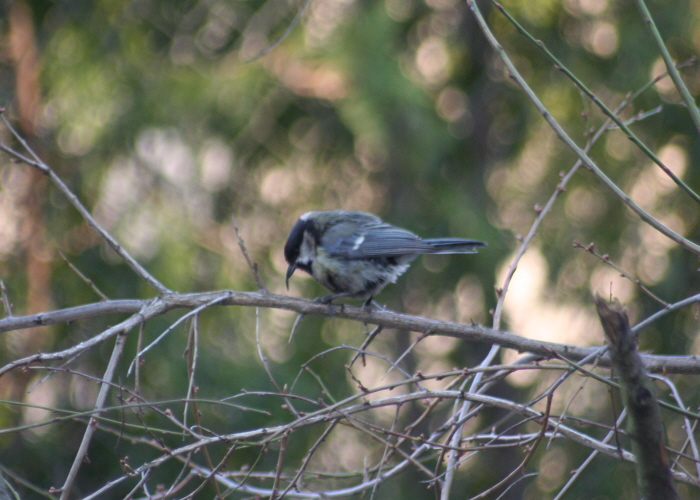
454,245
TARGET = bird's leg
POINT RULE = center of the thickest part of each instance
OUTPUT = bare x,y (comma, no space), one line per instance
328,299
371,302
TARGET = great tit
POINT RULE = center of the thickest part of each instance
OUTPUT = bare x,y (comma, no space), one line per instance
356,254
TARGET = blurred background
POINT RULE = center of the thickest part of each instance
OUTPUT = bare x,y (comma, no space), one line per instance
168,117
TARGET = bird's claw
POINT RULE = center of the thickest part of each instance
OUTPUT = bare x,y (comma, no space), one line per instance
328,300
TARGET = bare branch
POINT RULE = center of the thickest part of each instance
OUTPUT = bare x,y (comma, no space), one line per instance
587,161
99,404
87,280
253,265
70,314
647,433
37,163
670,65
148,309
5,300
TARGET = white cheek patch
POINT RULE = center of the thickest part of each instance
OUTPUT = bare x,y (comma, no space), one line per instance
358,242
307,251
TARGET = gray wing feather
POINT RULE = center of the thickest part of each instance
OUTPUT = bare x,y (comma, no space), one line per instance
385,240
371,240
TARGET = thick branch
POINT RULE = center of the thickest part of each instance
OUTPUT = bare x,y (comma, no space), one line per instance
645,428
387,319
103,308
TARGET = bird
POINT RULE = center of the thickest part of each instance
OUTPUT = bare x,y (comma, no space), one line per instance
356,254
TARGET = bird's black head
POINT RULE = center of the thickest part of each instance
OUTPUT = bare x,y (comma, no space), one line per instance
293,245
298,244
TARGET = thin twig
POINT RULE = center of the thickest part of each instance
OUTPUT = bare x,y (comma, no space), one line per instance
689,426
564,137
263,360
361,352
453,456
144,479
385,453
610,114
37,163
641,115
87,280
579,470
160,337
525,242
139,360
253,265
192,353
99,404
693,299
295,325
49,375
590,248
405,353
670,65
275,433
280,463
5,300
309,454
213,473
528,456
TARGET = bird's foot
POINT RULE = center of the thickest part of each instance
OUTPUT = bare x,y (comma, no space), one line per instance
367,306
328,299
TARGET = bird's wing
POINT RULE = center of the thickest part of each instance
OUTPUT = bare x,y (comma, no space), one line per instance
373,240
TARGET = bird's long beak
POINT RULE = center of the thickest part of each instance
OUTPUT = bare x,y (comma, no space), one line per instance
290,271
